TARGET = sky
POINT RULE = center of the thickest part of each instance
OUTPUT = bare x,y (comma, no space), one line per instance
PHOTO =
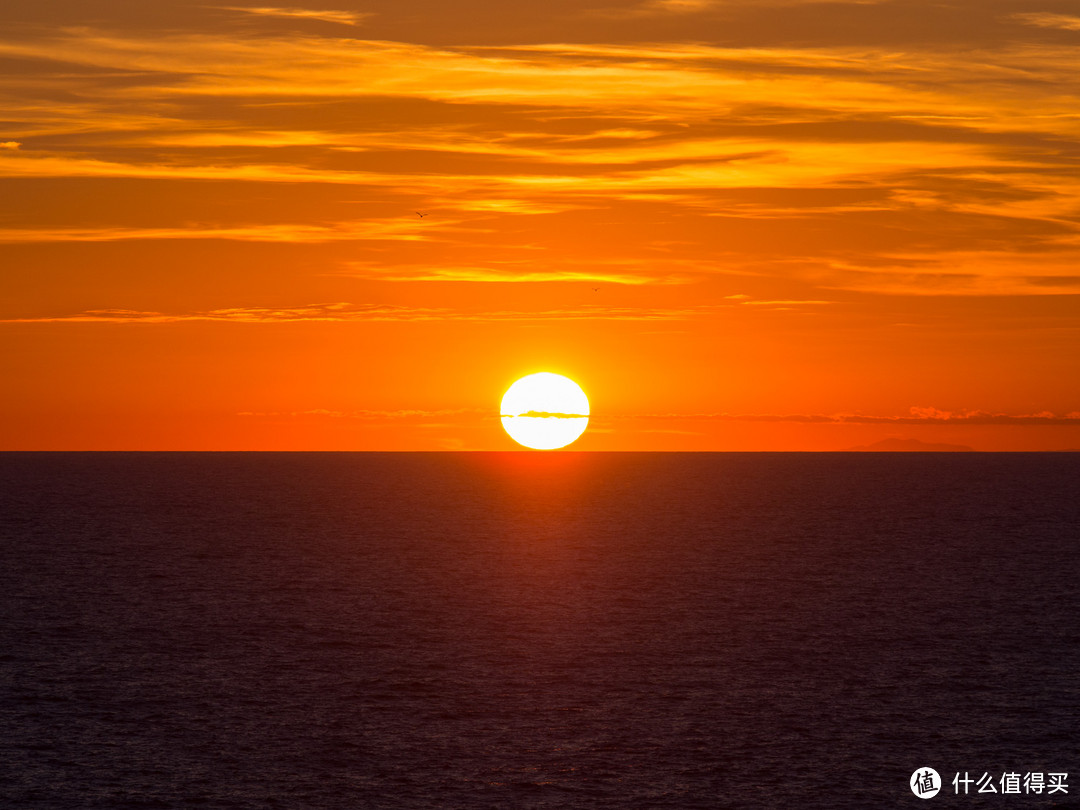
737,224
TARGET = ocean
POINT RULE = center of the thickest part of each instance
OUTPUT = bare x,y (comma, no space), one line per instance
538,630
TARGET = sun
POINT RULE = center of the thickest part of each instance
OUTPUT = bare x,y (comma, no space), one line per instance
545,411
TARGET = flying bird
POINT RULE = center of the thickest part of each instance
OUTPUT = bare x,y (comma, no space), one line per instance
596,289
420,215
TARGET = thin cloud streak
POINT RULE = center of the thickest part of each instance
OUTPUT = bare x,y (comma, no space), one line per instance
402,229
62,166
668,8
915,416
544,415
399,414
310,312
509,274
346,313
340,17
1046,19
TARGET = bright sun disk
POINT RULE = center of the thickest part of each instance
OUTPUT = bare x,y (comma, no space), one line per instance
545,411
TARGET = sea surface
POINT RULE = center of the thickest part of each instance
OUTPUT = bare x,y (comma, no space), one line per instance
531,630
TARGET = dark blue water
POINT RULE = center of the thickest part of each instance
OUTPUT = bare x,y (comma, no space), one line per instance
535,630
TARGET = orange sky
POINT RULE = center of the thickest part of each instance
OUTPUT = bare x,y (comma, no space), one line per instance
810,225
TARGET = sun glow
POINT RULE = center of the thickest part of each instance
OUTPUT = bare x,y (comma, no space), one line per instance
545,411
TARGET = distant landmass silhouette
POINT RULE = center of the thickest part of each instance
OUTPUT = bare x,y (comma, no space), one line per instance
909,446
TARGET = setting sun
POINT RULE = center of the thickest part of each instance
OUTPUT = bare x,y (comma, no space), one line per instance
545,411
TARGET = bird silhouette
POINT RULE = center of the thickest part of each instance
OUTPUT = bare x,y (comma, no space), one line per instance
596,289
420,215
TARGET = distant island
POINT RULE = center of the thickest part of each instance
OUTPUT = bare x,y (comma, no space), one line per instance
909,446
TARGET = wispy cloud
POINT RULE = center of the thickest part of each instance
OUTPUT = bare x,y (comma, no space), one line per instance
915,416
784,303
926,171
340,17
656,8
310,312
376,415
544,415
516,272
345,313
26,165
402,229
1046,19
